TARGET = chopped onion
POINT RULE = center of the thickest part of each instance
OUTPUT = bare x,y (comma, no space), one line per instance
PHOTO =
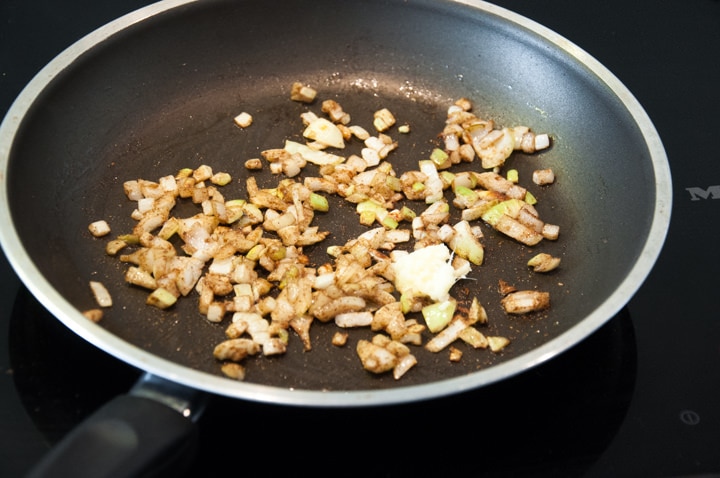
354,319
101,294
99,228
543,176
244,119
245,256
525,301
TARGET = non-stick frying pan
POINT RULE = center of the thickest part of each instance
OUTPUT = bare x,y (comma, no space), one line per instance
156,91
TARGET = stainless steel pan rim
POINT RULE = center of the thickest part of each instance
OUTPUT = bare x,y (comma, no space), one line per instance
95,334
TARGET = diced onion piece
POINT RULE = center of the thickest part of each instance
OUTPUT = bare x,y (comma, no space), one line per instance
168,184
339,338
233,370
375,358
308,117
359,132
274,346
115,246
253,164
243,120
215,312
137,276
438,315
310,155
510,208
521,233
202,173
301,326
505,288
433,184
371,156
455,354
542,141
474,338
354,319
526,143
454,109
527,216
189,273
132,190
222,266
374,143
519,132
495,148
396,236
102,296
221,179
439,157
339,306
465,244
319,203
451,141
464,104
405,363
383,120
497,344
550,231
447,336
477,313
325,132
494,182
323,281
543,262
335,111
170,228
461,266
302,93
99,228
161,298
525,301
236,349
542,177
94,315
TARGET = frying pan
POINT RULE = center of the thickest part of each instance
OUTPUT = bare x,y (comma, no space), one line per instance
156,91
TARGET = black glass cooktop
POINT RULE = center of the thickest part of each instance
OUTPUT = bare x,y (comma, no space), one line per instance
640,397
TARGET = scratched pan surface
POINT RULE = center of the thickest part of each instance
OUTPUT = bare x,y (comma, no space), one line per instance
156,91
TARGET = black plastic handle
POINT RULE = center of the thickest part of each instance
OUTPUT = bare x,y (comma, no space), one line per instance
130,436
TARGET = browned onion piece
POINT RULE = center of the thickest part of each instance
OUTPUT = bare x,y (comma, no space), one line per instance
525,301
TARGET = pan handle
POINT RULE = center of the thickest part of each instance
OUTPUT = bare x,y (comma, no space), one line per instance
150,431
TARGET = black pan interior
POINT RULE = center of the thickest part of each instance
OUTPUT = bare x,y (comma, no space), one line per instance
161,95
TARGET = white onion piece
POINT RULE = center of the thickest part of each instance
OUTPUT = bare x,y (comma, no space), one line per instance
102,296
354,319
542,141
